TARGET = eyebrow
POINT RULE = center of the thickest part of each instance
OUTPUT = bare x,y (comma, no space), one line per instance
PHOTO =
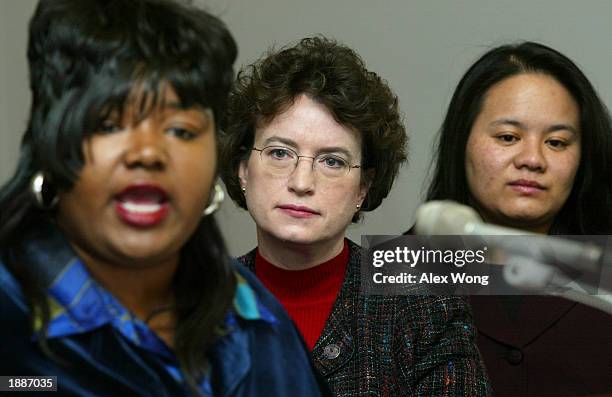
292,143
174,105
205,113
523,126
560,127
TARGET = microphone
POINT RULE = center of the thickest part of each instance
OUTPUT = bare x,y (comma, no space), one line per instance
450,218
534,261
446,217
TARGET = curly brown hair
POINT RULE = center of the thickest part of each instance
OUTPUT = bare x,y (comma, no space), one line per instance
333,75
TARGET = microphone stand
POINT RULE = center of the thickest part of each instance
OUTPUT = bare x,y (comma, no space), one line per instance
529,274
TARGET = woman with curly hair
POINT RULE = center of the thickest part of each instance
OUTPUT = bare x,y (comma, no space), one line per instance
311,140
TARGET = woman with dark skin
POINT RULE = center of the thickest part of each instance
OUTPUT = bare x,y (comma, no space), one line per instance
113,275
528,144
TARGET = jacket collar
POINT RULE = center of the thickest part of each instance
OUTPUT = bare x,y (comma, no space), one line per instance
76,297
79,305
528,318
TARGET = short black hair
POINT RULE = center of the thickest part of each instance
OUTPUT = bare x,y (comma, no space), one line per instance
86,57
588,209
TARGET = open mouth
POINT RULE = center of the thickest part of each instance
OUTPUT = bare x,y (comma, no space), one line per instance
140,208
142,205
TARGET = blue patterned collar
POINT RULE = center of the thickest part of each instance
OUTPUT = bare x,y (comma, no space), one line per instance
78,304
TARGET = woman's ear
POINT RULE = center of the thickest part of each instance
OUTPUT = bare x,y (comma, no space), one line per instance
243,173
366,182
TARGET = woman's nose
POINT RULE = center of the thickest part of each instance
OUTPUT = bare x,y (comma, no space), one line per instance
146,148
301,180
531,155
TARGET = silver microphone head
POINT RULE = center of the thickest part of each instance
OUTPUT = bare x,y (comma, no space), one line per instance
444,217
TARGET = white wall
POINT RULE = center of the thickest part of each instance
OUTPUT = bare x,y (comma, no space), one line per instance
420,46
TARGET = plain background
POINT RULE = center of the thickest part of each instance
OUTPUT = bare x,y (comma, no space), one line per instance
421,47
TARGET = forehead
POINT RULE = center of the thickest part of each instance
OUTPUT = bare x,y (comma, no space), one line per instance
531,97
145,100
311,126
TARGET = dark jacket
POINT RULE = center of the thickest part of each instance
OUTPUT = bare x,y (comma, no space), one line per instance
544,346
254,358
536,346
396,345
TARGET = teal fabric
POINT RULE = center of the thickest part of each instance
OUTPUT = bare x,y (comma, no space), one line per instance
110,352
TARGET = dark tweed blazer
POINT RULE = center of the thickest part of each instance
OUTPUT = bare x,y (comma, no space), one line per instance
397,345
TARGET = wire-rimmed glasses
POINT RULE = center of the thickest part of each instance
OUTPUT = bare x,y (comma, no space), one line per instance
282,160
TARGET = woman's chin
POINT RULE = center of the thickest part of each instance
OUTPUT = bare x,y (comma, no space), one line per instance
296,235
298,238
524,219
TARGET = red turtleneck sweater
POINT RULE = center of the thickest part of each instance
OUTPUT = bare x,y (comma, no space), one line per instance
307,295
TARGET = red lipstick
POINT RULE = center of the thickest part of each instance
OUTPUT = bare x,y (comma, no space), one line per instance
142,205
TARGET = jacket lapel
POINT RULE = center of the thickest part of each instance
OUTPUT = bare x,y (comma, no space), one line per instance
110,354
335,346
517,320
232,361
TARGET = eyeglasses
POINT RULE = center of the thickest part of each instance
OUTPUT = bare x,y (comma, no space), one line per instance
283,161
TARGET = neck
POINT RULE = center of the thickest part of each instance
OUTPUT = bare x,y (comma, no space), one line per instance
142,290
537,228
295,256
542,228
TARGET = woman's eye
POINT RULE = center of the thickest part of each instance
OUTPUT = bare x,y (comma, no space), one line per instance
280,154
333,162
107,127
507,138
556,143
181,133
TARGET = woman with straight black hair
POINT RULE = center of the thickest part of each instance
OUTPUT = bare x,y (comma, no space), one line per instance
527,142
114,277
588,209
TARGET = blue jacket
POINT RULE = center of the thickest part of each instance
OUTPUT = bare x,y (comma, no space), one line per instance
115,354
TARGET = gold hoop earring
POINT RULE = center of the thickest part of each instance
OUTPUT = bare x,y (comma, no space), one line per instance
216,201
37,186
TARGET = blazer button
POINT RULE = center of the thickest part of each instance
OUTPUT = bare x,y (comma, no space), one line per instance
514,357
331,351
